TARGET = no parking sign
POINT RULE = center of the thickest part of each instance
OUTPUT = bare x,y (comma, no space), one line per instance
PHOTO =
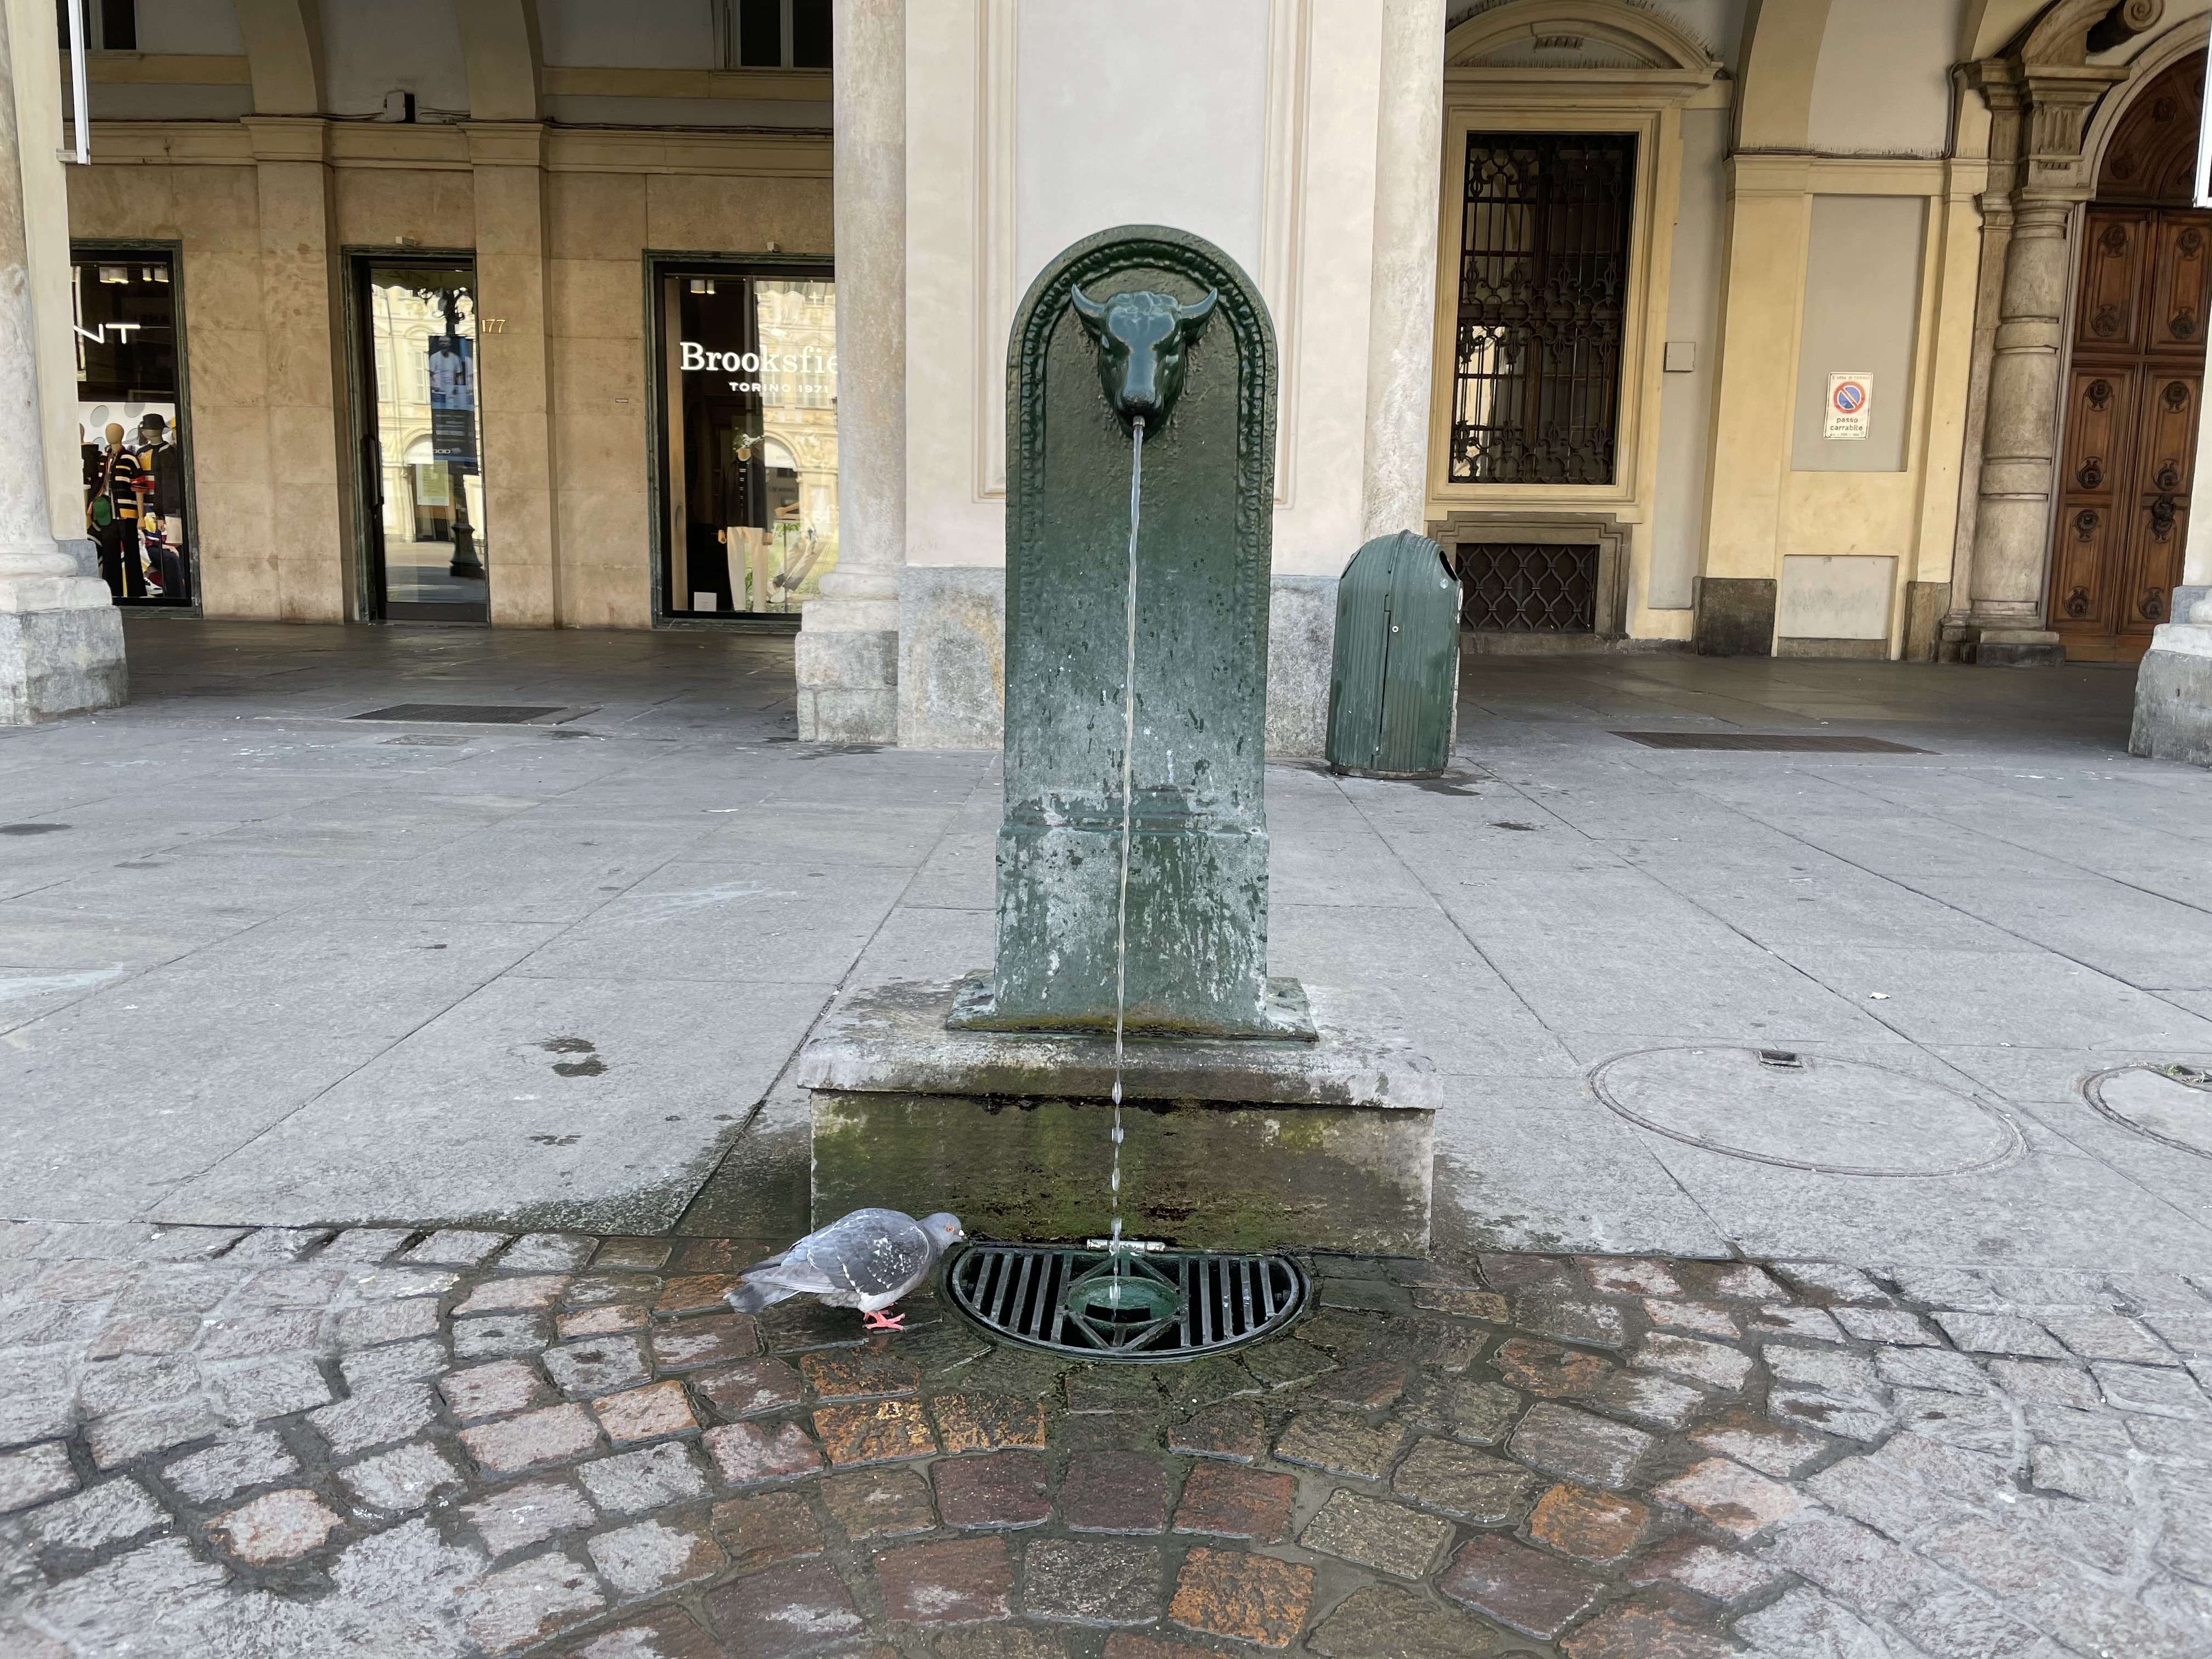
1850,401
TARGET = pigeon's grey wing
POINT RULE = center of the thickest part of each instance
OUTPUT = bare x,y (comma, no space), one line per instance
796,1272
872,1254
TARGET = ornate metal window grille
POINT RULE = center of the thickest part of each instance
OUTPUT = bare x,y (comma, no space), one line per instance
1543,281
1529,587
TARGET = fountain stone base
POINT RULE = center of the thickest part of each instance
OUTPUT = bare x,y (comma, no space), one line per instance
1230,1143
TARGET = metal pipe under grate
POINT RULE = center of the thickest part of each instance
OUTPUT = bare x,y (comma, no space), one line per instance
1161,1306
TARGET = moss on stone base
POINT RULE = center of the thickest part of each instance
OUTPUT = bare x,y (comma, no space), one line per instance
1195,1173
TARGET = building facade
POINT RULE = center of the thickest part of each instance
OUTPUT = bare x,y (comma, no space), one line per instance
1764,327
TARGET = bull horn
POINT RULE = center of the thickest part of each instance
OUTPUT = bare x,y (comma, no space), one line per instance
1085,307
1192,315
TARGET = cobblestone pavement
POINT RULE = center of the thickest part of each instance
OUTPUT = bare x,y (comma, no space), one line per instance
295,1444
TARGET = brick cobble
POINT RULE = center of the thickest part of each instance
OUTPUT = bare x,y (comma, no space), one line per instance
274,1441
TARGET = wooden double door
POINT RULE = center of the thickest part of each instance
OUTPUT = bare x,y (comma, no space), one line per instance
2128,455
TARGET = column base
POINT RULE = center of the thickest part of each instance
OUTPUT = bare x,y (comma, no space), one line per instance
2013,648
2173,696
61,649
1735,617
847,685
1232,1144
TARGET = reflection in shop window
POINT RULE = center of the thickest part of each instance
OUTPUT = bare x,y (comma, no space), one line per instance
750,459
129,437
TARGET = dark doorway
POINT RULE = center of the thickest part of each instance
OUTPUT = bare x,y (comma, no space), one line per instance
418,440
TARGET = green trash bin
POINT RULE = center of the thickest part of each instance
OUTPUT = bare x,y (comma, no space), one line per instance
1393,691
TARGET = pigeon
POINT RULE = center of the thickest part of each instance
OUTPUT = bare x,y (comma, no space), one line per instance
866,1260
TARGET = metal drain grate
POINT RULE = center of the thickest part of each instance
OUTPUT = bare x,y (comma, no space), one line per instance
1780,743
1167,1304
461,713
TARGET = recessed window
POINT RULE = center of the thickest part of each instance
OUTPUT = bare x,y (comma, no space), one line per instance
775,35
1543,291
109,25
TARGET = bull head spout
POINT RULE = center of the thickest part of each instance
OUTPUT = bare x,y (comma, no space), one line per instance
1143,341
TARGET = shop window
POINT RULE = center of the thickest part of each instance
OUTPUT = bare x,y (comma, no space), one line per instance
776,33
130,420
749,441
1543,283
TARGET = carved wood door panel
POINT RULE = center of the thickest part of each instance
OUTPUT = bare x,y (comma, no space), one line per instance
2130,452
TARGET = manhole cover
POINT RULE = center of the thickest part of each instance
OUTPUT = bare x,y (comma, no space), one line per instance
2169,1103
1800,743
1163,1305
1807,1111
462,714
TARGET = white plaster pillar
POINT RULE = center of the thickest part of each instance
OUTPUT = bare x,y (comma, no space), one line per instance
847,656
61,641
2195,586
1401,312
2174,685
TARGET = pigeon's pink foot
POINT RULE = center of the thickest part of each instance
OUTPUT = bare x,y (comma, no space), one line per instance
886,1321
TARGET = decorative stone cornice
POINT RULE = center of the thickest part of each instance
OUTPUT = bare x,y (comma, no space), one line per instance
2041,110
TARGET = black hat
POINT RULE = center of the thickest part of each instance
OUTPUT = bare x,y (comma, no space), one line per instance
153,423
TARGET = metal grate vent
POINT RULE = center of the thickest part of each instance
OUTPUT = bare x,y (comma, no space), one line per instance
1529,587
1806,743
462,714
1164,1305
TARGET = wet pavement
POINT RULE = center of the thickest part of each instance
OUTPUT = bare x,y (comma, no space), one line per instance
300,1442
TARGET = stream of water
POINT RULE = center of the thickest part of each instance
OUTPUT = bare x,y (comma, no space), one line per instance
1129,802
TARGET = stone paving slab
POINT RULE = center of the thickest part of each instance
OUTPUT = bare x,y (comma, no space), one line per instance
2004,1463
398,930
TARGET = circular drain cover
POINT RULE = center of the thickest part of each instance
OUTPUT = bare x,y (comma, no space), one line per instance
1162,1305
2169,1103
1806,1112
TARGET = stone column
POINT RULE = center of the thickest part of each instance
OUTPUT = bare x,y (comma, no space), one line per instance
2173,686
847,659
1402,302
2019,440
2019,436
512,302
61,639
311,507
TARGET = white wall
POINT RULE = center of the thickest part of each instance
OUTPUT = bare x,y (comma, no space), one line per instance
1107,128
1686,400
1150,111
612,34
1718,23
404,46
189,25
1882,85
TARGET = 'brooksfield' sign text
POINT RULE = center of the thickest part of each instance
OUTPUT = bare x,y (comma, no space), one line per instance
810,361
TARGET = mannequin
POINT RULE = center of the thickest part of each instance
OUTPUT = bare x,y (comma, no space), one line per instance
111,514
161,505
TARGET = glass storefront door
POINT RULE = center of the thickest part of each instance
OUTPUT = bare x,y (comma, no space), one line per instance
130,424
422,453
749,441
